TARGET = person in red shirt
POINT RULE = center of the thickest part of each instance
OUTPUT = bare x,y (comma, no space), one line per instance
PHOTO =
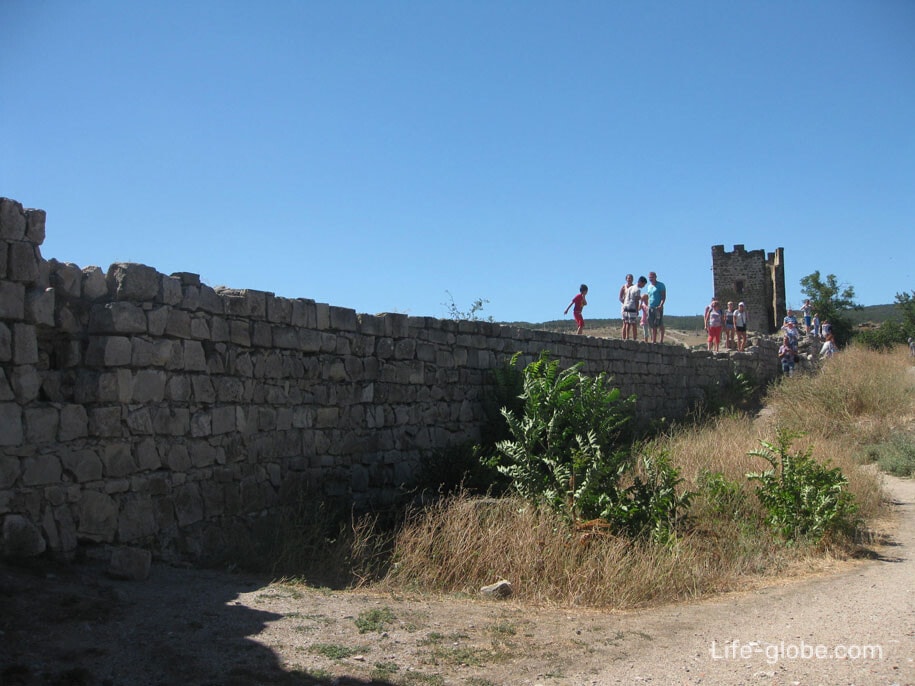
578,302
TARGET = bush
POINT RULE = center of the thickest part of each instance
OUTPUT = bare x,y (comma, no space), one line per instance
803,499
895,456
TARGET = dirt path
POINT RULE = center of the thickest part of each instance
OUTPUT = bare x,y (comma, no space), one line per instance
74,626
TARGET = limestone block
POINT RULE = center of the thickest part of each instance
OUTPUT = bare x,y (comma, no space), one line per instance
12,300
200,330
201,424
177,389
105,421
190,298
172,421
131,281
118,460
177,458
40,470
6,343
12,220
178,324
117,318
26,383
203,388
139,421
147,455
65,536
343,319
149,386
262,335
22,262
157,320
328,342
95,286
39,306
83,465
108,351
133,564
229,389
41,424
322,316
97,514
20,538
202,454
170,291
66,278
25,344
219,330
194,357
223,419
279,310
285,337
10,469
35,226
239,333
210,301
188,504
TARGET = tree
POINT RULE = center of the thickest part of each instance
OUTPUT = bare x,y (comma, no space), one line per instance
906,304
831,301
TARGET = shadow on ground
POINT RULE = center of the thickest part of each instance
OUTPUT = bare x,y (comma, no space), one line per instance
69,624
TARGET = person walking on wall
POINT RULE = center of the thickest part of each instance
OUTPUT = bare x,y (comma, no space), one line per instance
713,320
577,304
657,296
625,287
740,326
631,302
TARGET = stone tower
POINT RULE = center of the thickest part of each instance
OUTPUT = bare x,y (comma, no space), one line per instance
755,278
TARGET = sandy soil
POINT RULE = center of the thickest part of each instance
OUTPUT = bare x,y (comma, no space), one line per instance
73,625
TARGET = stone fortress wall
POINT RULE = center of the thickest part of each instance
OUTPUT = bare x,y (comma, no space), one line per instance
755,278
140,410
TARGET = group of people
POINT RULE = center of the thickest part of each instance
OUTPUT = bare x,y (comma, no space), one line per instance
642,306
788,350
732,322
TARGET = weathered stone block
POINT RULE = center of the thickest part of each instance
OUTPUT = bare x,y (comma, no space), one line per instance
12,300
108,351
117,318
6,343
26,383
39,306
10,469
178,324
95,286
210,301
169,290
105,421
41,470
98,516
131,281
149,386
22,262
172,421
188,505
41,424
83,465
66,278
35,221
118,460
12,220
157,320
25,344
343,319
200,330
263,335
194,357
279,310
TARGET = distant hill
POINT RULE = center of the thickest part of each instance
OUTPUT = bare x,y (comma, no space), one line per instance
875,314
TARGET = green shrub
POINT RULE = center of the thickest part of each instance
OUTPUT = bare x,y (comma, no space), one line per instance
802,498
726,498
896,456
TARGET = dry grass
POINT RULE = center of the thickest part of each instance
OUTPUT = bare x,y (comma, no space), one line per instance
462,543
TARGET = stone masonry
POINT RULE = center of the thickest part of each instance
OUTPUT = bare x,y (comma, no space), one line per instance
153,411
755,278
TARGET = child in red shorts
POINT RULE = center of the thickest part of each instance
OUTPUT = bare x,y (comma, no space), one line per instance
578,302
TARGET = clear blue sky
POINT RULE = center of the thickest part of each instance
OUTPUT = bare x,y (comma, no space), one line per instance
379,154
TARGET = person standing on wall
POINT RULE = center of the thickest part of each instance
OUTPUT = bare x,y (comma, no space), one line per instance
631,302
578,303
729,327
625,287
807,310
657,296
713,321
740,326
